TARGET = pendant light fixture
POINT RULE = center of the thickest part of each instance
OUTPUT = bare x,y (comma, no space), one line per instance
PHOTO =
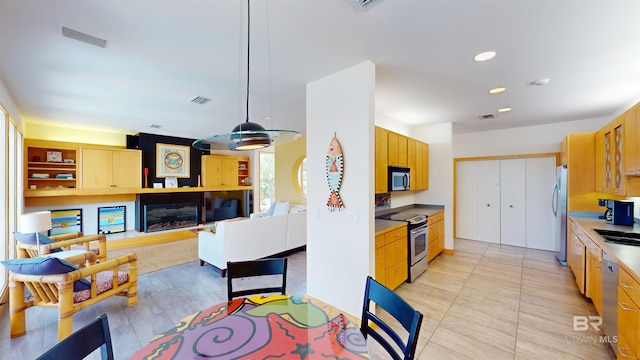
246,135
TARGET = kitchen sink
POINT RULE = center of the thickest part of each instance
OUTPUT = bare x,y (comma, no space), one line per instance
619,237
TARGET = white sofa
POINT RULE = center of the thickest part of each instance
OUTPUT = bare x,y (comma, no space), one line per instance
251,239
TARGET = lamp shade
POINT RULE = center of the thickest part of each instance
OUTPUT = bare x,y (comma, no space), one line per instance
35,222
248,136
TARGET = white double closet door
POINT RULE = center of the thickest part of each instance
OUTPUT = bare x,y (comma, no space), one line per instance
506,201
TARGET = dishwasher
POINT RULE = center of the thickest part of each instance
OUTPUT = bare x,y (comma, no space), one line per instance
610,273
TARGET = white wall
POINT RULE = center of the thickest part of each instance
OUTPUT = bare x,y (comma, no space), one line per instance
340,254
7,102
523,140
440,192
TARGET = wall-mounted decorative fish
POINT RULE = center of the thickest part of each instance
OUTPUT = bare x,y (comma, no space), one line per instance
335,169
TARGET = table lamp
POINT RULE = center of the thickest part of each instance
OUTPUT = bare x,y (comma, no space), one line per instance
35,222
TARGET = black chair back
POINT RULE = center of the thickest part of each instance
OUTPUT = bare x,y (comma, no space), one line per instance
83,342
393,304
244,269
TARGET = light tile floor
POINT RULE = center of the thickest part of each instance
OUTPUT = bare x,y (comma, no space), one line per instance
484,302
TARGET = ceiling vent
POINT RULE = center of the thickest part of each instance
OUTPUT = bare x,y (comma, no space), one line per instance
200,100
82,37
365,4
487,116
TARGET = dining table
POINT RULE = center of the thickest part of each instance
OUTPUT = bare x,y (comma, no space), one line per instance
261,327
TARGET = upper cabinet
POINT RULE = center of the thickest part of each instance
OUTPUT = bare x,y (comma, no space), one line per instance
224,170
632,141
50,165
393,149
610,177
111,168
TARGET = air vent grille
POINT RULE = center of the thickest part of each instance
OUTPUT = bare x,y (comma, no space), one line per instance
200,100
365,3
488,116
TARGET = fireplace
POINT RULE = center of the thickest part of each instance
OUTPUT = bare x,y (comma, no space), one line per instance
170,216
157,212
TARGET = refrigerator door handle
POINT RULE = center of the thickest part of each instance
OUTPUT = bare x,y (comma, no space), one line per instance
554,199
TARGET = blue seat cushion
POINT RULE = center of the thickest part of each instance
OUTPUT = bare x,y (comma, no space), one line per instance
31,239
45,266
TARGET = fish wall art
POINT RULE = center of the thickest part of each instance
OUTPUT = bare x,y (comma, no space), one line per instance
335,170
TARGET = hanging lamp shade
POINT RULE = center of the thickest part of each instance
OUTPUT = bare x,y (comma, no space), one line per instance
247,135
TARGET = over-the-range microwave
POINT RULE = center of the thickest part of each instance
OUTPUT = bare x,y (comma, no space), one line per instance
399,178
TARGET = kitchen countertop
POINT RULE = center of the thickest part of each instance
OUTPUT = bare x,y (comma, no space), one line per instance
422,209
627,255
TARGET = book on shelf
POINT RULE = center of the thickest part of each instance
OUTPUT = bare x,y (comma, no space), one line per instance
39,176
64,176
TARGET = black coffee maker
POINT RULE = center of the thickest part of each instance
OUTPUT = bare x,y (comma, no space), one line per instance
618,212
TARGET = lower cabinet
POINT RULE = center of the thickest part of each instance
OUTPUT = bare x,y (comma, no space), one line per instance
576,254
593,277
436,235
628,320
391,257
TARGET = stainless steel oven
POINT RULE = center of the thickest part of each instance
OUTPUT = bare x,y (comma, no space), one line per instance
418,241
418,246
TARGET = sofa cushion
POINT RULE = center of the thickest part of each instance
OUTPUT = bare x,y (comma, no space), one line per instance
281,208
217,202
271,208
45,266
31,239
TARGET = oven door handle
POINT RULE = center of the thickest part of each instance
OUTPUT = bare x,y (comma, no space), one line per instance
419,230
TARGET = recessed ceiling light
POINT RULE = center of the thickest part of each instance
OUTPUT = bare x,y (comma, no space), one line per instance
541,82
484,56
497,90
504,109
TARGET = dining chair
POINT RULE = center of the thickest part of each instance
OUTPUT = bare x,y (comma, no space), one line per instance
397,307
83,342
262,267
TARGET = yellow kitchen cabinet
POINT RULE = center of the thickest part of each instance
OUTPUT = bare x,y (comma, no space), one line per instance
394,262
111,168
436,234
411,161
593,276
402,151
381,265
628,315
578,153
610,176
381,171
632,141
219,171
576,254
392,144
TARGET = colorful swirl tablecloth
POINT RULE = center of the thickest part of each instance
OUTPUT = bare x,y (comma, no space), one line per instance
273,327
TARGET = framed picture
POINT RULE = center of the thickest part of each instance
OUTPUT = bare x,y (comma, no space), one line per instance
172,160
66,221
112,219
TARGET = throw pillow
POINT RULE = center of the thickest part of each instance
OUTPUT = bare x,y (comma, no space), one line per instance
271,208
31,239
45,266
282,208
217,202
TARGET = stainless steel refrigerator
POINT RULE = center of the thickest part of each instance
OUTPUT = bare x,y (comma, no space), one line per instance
559,207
